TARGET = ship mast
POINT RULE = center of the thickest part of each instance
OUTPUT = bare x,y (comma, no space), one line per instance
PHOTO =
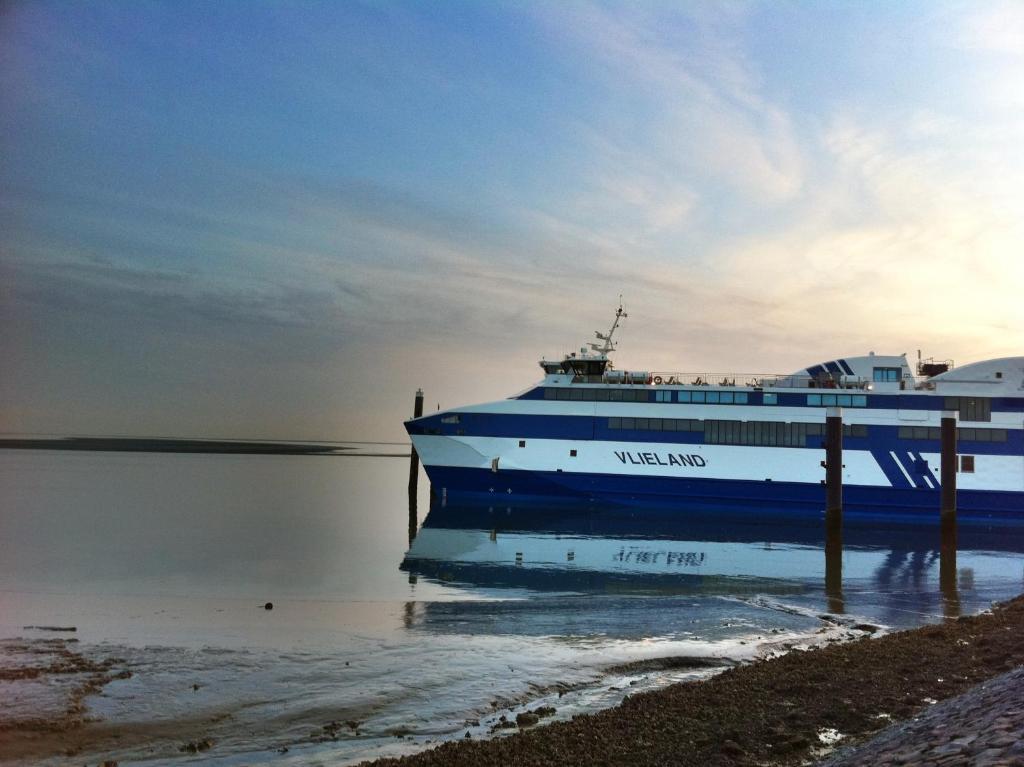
608,346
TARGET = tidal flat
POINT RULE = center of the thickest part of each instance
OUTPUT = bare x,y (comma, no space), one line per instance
391,634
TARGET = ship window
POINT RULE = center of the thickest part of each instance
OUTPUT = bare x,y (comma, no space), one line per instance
770,398
920,432
572,453
601,395
860,400
683,396
741,398
615,395
967,434
828,400
576,394
971,408
668,424
983,435
522,443
886,374
712,398
450,419
934,432
726,398
663,396
998,435
628,423
550,393
967,464
814,400
905,432
697,396
564,394
654,424
614,423
844,400
642,424
815,429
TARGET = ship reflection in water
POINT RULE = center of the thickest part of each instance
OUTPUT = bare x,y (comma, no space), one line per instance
893,575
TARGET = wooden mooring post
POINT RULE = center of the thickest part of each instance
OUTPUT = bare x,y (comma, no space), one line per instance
834,461
414,471
947,473
834,509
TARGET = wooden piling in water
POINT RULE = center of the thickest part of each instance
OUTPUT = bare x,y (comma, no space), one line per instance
414,471
834,460
947,474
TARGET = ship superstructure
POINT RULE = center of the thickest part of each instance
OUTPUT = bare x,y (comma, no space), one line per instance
588,431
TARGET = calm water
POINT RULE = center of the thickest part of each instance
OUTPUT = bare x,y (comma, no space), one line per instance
164,562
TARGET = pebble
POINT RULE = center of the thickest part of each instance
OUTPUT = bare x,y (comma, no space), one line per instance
987,722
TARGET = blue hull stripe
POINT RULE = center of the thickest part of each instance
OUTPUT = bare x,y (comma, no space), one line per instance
526,487
889,468
576,427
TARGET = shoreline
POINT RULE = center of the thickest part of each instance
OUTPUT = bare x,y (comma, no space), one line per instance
780,711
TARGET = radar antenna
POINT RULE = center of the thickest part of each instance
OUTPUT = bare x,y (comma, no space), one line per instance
609,346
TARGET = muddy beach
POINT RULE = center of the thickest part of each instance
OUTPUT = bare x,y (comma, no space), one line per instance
786,710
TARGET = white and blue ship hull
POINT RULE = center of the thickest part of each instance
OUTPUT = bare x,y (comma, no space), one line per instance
764,453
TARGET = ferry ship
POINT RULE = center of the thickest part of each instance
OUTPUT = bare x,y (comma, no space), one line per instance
589,432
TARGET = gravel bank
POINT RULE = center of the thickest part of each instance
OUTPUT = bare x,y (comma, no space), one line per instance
781,711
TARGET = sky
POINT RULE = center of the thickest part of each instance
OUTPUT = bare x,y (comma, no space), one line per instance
278,219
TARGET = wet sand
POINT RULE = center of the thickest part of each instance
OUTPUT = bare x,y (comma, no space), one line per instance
783,711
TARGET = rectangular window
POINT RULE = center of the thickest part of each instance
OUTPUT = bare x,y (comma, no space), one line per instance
920,432
726,397
828,400
572,453
998,435
642,424
860,400
682,396
967,464
654,424
601,395
697,396
971,408
450,419
550,393
522,443
662,396
860,430
884,375
668,424
815,429
983,435
741,398
615,395
814,400
844,400
770,398
628,423
564,394
905,432
934,432
712,397
614,423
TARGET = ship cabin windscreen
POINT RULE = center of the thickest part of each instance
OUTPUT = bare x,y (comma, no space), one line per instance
552,368
588,369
